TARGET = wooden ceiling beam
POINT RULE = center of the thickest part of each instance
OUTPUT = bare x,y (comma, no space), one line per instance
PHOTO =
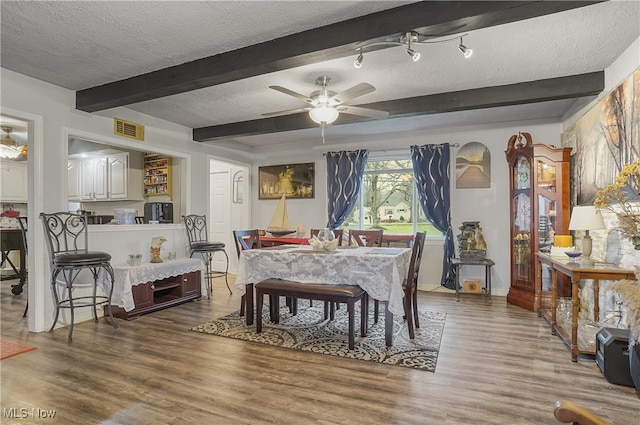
316,45
560,88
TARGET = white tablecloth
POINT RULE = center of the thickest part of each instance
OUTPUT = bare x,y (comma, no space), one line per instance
379,271
127,276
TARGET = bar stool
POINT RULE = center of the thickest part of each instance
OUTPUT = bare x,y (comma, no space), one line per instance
67,239
196,226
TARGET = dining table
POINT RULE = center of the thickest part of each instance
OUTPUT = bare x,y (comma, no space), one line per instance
380,271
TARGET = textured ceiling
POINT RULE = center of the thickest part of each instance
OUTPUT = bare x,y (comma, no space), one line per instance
78,45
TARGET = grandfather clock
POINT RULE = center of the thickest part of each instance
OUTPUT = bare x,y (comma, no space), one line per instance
539,209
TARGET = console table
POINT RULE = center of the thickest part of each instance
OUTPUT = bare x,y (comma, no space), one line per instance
576,271
153,286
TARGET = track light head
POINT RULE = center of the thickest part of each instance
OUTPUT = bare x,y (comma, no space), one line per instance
414,55
466,52
359,59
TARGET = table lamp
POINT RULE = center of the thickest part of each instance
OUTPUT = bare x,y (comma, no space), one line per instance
586,218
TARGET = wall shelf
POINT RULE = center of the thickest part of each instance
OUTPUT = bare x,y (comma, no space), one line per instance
157,175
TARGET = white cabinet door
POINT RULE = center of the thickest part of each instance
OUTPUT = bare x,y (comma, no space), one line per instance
13,181
74,179
118,175
88,184
100,178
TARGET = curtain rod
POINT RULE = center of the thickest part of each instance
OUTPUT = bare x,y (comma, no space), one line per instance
453,145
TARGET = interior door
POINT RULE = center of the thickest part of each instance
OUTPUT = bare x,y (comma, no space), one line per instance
219,221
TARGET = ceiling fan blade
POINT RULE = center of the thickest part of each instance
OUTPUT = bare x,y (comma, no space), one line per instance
292,93
348,94
365,112
286,112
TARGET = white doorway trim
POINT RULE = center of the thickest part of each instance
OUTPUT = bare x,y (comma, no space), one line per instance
37,260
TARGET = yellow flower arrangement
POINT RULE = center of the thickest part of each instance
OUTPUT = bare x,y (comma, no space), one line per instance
622,197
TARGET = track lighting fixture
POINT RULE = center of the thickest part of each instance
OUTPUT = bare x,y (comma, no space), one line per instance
466,52
408,39
359,59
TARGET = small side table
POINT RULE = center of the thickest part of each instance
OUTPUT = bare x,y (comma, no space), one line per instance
457,263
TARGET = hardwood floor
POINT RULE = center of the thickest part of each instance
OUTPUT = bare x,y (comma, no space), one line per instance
498,364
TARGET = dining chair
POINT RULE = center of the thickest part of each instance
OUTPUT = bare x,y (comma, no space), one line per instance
337,232
410,284
568,412
22,222
246,239
370,238
198,238
67,241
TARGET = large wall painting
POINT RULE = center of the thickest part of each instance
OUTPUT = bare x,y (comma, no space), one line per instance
604,139
292,180
473,167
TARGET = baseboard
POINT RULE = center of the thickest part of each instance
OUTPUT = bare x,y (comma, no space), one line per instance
441,289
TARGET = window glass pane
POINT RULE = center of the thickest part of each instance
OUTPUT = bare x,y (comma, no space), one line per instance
387,201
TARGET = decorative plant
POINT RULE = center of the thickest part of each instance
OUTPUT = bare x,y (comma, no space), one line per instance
622,197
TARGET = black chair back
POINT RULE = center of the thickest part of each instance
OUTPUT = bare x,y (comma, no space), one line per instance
246,239
196,226
65,233
368,238
414,263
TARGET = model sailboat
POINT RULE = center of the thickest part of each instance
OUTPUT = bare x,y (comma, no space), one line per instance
279,224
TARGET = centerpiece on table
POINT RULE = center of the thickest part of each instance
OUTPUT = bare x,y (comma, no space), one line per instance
622,197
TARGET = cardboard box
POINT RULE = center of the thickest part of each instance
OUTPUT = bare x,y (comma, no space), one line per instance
472,286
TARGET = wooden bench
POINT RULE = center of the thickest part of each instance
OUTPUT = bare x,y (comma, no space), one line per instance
348,294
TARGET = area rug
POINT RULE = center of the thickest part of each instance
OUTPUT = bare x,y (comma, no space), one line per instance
10,348
308,331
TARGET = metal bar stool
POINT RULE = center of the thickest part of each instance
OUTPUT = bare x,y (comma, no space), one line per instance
69,255
196,226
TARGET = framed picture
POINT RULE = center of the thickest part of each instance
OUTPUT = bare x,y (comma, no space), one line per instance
292,180
473,167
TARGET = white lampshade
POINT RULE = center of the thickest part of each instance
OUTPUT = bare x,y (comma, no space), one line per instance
586,218
324,114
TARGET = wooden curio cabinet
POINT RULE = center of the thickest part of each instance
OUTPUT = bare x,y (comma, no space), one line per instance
539,209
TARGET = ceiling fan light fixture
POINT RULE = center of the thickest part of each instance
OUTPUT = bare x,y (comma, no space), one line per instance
8,146
324,114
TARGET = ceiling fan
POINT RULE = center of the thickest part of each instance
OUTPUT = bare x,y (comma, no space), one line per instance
325,105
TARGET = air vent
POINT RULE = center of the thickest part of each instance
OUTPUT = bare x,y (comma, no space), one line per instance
128,129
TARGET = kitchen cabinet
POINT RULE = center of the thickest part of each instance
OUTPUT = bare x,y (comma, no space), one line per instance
105,178
74,174
539,209
13,181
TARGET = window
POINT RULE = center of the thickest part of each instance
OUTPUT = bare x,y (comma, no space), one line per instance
387,200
